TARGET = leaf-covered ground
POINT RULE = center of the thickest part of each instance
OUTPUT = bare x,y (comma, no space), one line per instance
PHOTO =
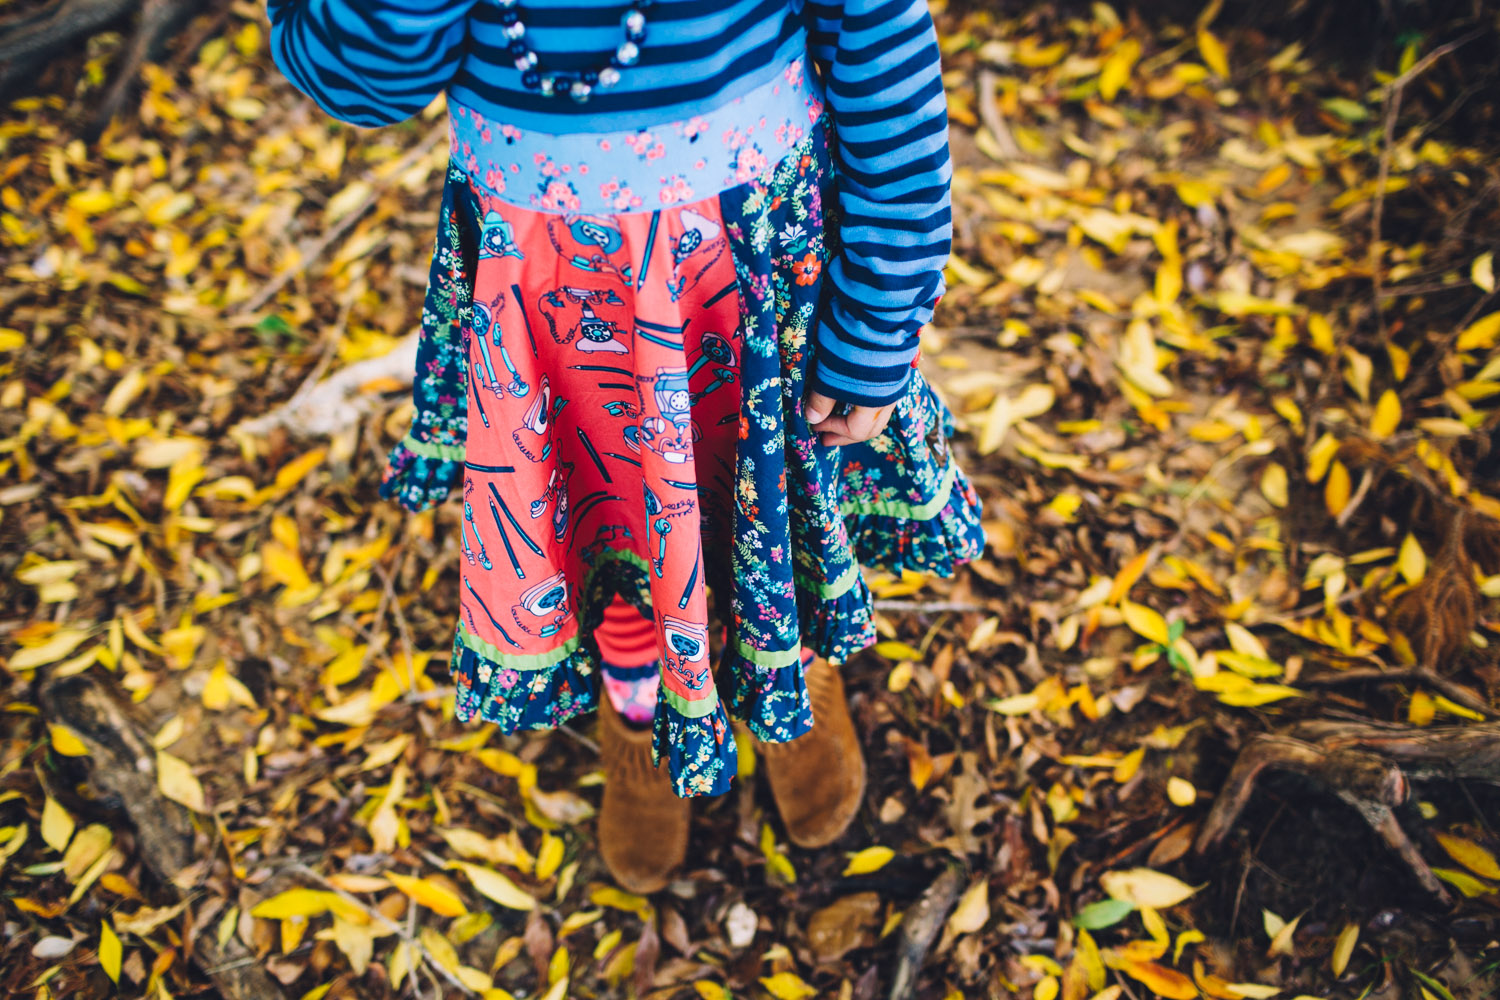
1221,334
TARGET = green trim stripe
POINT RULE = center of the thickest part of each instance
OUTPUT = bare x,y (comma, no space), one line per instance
517,661
690,709
900,508
426,449
776,659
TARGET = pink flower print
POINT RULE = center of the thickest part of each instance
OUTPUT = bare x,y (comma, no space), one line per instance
515,168
781,133
560,194
477,118
674,190
656,152
626,198
793,135
814,110
734,138
486,135
510,132
700,164
607,190
640,142
583,168
507,678
793,73
750,163
695,126
604,145
495,180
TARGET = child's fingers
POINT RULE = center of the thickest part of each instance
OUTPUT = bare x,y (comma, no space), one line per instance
861,424
817,407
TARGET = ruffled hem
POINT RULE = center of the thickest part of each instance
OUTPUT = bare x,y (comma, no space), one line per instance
771,701
522,699
418,481
937,545
700,752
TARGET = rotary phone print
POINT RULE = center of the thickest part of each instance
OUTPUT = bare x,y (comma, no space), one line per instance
594,333
658,520
694,252
686,652
588,242
557,490
671,433
487,333
544,609
534,436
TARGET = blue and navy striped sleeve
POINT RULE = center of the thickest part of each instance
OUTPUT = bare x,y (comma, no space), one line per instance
885,94
369,62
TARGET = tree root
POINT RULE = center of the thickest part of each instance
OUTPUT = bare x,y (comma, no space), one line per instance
120,759
27,42
1369,767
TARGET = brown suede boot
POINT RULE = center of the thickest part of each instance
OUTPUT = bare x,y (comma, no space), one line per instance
818,779
643,825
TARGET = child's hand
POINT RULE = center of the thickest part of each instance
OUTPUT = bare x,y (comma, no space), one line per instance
837,423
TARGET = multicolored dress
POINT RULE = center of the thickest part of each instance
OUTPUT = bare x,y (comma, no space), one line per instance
614,344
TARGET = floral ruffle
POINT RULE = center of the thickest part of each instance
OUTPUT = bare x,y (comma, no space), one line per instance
518,693
424,466
898,540
770,700
420,475
700,752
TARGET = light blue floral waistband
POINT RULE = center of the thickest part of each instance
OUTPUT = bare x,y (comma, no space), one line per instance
640,170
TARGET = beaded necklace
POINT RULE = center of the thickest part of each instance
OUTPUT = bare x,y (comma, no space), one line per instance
577,85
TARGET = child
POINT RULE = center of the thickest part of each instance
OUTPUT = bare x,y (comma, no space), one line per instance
669,346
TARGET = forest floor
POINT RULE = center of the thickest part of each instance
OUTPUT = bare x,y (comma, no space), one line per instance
1220,338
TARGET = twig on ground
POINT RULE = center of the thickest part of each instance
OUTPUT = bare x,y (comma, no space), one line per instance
1393,94
989,113
1422,674
920,928
406,647
315,250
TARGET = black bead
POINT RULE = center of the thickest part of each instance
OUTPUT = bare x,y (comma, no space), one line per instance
590,77
532,79
517,48
510,16
615,62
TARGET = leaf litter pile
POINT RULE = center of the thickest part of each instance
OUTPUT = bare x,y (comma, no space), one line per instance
1214,716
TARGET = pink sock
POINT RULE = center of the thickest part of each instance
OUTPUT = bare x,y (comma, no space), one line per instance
627,647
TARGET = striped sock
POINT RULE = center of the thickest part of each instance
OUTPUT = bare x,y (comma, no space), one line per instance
628,654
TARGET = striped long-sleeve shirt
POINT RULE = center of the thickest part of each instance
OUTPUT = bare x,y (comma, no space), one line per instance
376,62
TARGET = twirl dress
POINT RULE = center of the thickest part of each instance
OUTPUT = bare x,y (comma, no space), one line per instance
613,349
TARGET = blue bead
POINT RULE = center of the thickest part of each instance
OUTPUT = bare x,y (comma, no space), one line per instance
517,49
590,77
531,79
509,16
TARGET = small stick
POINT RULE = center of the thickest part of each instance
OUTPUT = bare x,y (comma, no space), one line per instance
337,231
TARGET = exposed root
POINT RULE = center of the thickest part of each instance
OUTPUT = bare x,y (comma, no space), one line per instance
1367,766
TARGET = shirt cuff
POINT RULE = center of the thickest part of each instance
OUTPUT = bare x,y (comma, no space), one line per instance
839,386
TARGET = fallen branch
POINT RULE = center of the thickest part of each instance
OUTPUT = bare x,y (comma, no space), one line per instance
1421,675
329,406
119,759
920,927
